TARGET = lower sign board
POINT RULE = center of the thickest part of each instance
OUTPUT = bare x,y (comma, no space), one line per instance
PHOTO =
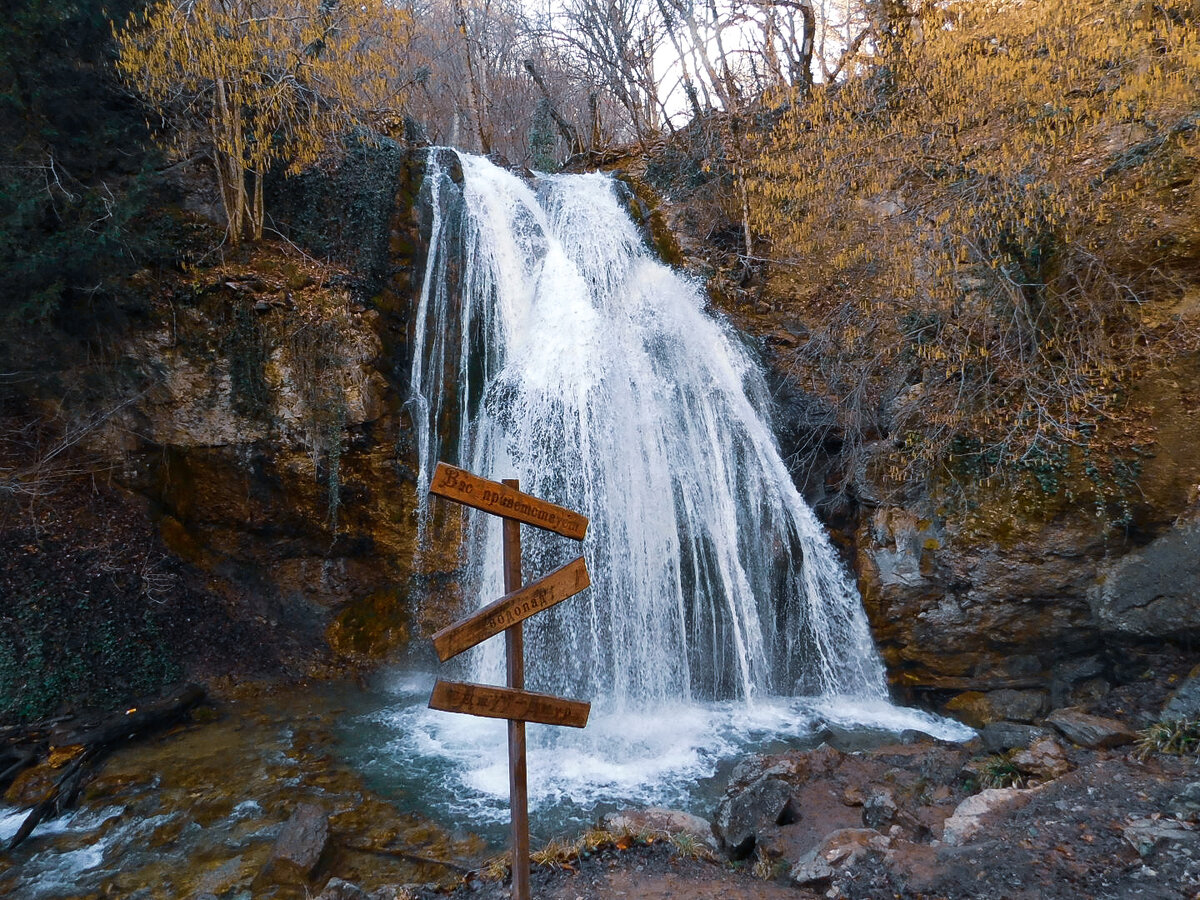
501,500
508,703
563,582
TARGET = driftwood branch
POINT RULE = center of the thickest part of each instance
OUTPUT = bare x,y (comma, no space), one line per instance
91,741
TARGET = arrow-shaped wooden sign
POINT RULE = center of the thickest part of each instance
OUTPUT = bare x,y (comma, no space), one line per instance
510,609
501,500
508,703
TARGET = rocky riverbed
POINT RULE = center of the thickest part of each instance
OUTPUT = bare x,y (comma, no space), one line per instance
251,799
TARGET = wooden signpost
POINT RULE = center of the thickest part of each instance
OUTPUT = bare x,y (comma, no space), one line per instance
513,702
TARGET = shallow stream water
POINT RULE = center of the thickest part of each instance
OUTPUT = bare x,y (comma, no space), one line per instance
197,810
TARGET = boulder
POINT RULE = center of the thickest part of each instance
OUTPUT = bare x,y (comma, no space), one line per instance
746,811
1093,732
998,737
1044,758
657,819
298,848
1155,592
1185,702
967,818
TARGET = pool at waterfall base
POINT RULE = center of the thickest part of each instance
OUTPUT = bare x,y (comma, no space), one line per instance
407,787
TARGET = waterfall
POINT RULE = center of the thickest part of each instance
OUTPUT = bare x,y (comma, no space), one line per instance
551,345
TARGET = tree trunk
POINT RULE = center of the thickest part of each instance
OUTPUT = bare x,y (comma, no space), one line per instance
474,94
565,128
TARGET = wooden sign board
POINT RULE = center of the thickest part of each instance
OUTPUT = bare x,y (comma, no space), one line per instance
563,582
501,500
508,703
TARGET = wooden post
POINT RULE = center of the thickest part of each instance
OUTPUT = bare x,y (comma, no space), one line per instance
514,645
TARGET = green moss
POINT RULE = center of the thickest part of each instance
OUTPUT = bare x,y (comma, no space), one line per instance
245,347
59,649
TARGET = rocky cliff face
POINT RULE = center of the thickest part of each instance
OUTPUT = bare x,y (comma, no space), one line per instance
266,419
267,426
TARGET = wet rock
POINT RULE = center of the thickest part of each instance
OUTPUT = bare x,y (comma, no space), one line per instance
746,811
338,889
656,819
979,709
966,820
1093,732
1045,758
1185,702
299,847
1000,736
1154,592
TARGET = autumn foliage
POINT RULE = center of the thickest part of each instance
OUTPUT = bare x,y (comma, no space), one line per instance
985,228
259,82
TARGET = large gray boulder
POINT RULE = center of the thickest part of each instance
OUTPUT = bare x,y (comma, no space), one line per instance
1154,592
299,847
745,812
1185,702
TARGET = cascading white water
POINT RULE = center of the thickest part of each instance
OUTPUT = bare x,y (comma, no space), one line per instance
579,363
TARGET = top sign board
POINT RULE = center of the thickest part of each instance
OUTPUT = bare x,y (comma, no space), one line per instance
501,500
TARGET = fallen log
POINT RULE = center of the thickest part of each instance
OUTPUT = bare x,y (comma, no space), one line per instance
85,745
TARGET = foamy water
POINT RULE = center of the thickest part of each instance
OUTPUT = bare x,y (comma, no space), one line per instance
455,767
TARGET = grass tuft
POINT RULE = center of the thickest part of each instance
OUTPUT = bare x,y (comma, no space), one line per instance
1177,737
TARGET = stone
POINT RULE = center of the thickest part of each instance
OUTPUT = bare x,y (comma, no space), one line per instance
1044,758
744,812
1186,804
1154,592
1146,835
339,889
966,820
1093,732
1185,702
879,809
298,848
840,848
979,709
998,737
658,820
